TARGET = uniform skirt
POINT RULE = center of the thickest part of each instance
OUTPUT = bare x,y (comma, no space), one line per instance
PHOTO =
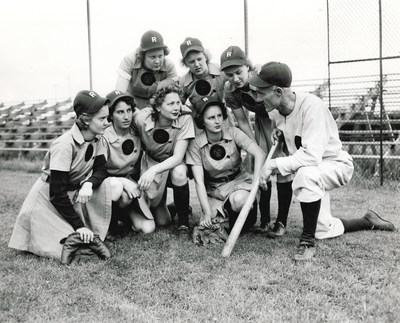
219,193
40,227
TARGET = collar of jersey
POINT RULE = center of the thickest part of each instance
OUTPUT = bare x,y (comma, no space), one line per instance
203,140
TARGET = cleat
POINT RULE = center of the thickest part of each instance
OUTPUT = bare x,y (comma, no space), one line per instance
378,223
183,232
304,252
277,231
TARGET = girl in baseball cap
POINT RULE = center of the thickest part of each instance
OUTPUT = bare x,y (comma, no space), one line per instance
203,77
147,65
73,194
123,155
239,95
215,158
165,135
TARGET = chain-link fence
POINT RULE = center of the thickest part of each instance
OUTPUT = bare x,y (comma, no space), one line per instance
363,86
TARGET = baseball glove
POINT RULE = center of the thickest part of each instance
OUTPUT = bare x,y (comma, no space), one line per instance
214,235
76,251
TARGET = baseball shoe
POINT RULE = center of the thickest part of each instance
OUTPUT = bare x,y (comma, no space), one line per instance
183,232
378,223
304,252
277,231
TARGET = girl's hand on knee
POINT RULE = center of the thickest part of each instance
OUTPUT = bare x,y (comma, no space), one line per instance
146,179
85,193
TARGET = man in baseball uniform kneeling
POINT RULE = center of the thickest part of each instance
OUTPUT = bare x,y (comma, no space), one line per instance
315,157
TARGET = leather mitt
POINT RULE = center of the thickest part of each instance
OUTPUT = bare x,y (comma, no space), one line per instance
215,235
76,251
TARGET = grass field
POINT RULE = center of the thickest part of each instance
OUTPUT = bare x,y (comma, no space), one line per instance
354,278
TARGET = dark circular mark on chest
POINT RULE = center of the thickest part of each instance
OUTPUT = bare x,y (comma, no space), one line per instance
89,152
160,136
128,146
202,87
148,78
217,152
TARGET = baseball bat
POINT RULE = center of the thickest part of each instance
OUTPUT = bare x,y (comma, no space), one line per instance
244,212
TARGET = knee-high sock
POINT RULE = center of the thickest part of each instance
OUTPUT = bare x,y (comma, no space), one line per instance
357,224
284,199
181,199
264,205
233,215
310,217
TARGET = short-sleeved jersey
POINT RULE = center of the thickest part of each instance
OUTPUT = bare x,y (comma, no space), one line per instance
159,142
140,78
243,97
194,89
71,153
311,134
122,152
218,159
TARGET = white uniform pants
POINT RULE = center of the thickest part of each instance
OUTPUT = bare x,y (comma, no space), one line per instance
312,183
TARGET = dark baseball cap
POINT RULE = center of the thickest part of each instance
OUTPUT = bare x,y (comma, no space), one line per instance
88,102
151,39
206,101
272,73
190,44
233,56
115,95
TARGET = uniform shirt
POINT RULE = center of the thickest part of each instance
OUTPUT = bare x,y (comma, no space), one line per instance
132,70
122,152
215,78
223,164
161,148
243,97
71,153
311,134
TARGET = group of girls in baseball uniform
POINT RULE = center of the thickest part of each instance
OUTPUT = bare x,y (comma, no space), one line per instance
124,150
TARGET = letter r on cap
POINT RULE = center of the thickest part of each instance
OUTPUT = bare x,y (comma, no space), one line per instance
188,42
153,39
92,94
228,54
205,99
117,92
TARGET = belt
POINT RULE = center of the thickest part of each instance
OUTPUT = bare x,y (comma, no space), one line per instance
224,179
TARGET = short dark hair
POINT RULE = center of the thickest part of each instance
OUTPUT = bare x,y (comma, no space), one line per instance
127,100
198,118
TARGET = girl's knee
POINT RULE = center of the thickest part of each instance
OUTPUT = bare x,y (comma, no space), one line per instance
116,188
179,175
237,199
148,226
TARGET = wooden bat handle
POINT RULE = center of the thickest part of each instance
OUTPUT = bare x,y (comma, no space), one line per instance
244,212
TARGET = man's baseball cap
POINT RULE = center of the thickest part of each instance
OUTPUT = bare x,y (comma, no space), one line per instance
272,73
206,101
88,102
115,95
190,44
151,39
233,56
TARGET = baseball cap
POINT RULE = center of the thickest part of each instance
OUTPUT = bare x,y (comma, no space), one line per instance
115,95
88,102
206,101
272,73
233,56
190,44
151,39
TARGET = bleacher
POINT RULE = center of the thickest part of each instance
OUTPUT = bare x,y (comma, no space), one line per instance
31,126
